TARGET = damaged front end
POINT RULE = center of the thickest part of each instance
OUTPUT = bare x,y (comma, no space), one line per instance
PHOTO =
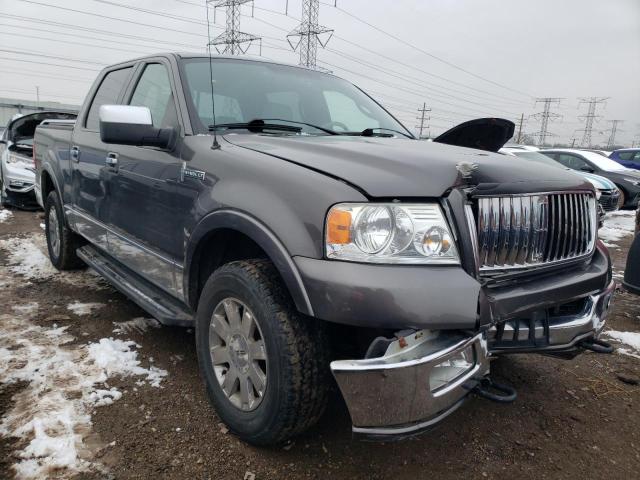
421,379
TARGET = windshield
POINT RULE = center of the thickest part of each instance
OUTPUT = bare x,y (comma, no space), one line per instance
602,162
248,90
538,157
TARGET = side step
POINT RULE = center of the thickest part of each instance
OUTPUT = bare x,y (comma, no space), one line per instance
157,303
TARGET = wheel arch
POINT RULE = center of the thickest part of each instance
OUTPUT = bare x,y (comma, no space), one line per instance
252,230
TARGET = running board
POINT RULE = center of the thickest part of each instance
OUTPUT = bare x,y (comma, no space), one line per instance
148,297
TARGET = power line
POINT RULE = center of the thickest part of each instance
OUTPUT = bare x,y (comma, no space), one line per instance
310,34
94,30
435,57
590,117
545,117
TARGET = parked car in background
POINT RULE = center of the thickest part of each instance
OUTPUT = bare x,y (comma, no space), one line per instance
627,180
17,167
628,157
608,193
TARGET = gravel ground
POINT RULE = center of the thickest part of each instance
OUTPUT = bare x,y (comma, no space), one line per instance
577,418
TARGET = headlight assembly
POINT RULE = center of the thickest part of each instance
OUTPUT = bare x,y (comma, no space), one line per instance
389,233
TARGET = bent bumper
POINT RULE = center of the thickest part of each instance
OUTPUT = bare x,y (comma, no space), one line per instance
404,392
551,330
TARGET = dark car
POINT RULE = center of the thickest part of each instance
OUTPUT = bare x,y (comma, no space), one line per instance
302,230
628,157
627,180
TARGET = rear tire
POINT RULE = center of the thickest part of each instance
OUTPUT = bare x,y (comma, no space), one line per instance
62,242
295,354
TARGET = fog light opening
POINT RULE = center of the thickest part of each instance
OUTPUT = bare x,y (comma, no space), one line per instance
454,367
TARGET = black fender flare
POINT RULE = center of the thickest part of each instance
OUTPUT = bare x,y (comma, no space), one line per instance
264,237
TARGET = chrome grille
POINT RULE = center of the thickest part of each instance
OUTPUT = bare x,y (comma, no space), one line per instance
534,230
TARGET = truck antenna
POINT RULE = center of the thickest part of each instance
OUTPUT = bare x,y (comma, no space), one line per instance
215,145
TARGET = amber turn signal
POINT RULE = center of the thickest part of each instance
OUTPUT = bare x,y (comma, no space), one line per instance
339,227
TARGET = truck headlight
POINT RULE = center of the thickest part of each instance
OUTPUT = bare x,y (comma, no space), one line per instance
389,233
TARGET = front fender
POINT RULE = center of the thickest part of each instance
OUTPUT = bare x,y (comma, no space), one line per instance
263,236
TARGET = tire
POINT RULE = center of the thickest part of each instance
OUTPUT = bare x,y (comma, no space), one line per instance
296,357
623,198
62,252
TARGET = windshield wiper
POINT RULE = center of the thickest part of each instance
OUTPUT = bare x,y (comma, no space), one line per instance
255,126
260,124
370,132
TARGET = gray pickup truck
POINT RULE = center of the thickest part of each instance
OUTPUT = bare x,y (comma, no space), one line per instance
302,230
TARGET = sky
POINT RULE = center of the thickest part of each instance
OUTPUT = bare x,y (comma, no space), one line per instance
462,58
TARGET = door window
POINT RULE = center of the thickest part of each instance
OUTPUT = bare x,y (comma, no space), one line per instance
107,94
636,158
573,162
625,155
154,92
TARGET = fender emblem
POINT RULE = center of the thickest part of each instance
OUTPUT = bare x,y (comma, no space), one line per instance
190,173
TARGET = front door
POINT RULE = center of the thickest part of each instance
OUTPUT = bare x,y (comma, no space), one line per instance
89,175
141,213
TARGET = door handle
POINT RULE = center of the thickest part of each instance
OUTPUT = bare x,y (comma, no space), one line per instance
112,160
75,154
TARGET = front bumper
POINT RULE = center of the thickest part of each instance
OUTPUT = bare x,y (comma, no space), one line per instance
393,396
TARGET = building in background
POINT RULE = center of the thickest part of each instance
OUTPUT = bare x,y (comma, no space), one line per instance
10,106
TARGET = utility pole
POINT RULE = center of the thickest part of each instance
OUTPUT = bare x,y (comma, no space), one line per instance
520,126
614,130
573,142
309,34
545,117
37,96
423,118
589,118
232,41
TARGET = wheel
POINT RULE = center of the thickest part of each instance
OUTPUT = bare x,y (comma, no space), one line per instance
622,200
264,364
62,242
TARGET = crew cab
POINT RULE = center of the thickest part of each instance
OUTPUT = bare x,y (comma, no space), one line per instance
304,231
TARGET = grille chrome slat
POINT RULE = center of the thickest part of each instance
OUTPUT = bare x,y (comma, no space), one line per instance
517,232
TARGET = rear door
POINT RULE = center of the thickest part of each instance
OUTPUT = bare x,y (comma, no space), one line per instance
141,210
89,175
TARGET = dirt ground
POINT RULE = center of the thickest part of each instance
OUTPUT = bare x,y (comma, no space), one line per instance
572,419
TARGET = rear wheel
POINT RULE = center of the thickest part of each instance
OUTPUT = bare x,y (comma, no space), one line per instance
62,242
265,365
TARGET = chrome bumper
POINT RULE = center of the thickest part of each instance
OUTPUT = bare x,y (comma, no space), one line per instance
393,396
553,334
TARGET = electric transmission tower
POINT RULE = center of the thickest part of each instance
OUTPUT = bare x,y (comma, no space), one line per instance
519,127
590,118
423,118
309,34
545,117
613,131
232,41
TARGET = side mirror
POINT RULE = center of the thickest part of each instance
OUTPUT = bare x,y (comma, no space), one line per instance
587,169
127,125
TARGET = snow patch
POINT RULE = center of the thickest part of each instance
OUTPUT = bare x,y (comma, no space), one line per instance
26,308
617,225
5,215
631,339
83,308
137,325
27,257
65,381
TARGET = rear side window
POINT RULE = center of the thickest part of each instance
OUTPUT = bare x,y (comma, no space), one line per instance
572,162
154,92
625,155
107,94
636,158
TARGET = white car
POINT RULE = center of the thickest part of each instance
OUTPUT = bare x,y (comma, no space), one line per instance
17,168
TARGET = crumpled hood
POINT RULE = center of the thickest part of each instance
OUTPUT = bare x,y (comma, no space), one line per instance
393,167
